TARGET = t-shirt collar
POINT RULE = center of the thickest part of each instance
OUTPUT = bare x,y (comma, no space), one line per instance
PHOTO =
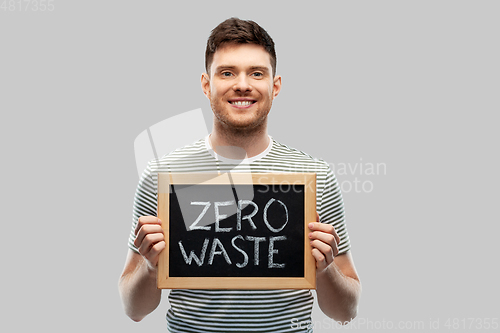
234,161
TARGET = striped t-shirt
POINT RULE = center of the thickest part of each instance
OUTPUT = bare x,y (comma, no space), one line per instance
242,310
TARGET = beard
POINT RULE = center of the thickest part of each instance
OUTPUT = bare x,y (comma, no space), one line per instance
242,123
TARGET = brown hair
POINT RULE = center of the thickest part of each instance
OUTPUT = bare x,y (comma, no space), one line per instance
238,31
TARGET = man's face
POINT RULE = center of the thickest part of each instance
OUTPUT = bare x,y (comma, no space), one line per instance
241,87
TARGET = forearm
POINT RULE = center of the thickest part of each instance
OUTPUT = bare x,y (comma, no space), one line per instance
139,293
338,294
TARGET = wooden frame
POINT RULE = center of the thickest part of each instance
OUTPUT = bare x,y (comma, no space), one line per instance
308,281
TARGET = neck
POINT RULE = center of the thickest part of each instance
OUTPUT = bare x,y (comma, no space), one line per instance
239,145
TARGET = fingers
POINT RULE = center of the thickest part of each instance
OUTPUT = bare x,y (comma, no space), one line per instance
150,240
144,220
153,254
144,232
324,241
321,262
326,228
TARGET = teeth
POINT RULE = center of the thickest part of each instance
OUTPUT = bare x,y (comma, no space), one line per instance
242,103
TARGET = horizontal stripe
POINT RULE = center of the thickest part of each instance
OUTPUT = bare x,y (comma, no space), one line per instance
242,310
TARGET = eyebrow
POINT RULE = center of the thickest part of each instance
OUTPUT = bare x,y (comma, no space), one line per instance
253,68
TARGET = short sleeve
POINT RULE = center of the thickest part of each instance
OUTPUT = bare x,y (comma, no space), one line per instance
331,209
145,202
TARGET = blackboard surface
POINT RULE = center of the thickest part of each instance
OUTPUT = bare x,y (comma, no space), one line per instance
236,231
268,244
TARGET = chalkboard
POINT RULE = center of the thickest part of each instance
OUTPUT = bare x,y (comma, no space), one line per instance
236,231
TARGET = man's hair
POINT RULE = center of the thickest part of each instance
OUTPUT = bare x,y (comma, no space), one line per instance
238,31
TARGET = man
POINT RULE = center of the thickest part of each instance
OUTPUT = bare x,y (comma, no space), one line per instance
241,84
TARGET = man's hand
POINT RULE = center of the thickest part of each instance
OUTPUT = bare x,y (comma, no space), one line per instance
324,241
150,240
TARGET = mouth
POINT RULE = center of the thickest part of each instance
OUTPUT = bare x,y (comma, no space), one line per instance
242,103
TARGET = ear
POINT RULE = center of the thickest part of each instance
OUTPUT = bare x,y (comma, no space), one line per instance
205,84
276,86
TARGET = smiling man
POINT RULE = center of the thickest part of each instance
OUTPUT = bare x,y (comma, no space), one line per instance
241,87
241,84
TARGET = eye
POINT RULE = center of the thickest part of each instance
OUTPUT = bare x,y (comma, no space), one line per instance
226,74
257,74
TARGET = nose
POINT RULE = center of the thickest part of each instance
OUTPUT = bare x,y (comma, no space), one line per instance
242,84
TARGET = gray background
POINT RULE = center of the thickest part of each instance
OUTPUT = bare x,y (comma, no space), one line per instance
412,85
